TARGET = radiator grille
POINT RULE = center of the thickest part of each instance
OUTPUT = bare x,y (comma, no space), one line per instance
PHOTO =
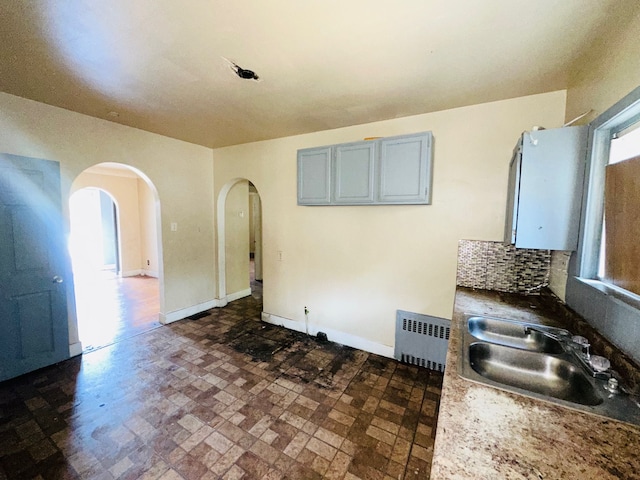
422,340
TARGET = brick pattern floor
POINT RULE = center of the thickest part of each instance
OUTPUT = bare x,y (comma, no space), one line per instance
223,396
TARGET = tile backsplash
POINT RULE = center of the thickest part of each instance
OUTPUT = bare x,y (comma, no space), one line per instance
500,267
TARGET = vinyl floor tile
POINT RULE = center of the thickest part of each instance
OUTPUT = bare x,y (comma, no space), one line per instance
221,396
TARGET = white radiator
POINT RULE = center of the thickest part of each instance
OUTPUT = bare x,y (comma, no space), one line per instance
422,340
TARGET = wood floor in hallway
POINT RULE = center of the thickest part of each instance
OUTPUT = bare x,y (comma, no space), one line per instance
112,308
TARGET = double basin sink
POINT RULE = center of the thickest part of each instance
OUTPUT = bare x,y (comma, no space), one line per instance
541,362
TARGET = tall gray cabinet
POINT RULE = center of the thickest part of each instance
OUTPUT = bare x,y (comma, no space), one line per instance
545,189
392,170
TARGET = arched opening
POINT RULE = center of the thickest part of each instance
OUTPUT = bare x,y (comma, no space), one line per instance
115,246
239,213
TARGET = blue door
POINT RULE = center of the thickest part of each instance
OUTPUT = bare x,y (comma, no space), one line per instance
33,266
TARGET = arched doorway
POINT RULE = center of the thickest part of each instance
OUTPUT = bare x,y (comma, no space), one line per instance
115,246
239,213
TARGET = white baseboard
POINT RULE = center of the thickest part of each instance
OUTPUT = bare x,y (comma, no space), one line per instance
237,295
131,273
201,307
142,271
333,335
75,349
187,312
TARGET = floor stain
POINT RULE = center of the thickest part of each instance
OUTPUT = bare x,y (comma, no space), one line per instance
288,351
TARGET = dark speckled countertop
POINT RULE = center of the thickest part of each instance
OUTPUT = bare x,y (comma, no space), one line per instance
486,433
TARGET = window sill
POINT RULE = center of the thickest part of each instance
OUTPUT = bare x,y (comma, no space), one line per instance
617,293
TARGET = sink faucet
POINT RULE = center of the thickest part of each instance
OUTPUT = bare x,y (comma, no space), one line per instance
529,328
596,366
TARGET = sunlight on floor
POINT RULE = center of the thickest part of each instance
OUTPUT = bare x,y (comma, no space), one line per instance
97,307
111,308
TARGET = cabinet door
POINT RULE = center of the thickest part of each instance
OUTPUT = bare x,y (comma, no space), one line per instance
354,173
314,176
405,169
551,177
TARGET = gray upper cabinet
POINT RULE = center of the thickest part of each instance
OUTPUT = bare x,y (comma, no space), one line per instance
392,170
405,169
314,176
545,189
354,173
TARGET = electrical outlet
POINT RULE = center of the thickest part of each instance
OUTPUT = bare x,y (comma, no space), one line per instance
174,227
279,255
148,263
306,311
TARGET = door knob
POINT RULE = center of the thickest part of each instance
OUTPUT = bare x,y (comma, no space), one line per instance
57,279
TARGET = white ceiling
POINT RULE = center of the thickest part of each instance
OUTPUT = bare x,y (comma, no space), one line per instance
323,64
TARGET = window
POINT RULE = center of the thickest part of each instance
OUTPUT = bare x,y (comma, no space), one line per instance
608,251
619,248
612,310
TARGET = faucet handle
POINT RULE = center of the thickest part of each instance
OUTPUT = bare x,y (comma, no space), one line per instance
599,364
583,344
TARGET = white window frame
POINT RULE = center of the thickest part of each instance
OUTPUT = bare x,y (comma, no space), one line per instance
614,312
616,119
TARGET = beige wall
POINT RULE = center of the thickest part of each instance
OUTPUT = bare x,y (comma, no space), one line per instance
354,266
125,193
181,172
607,72
237,239
148,230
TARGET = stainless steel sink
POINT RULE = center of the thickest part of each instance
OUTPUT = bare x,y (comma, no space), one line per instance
540,373
539,362
513,334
